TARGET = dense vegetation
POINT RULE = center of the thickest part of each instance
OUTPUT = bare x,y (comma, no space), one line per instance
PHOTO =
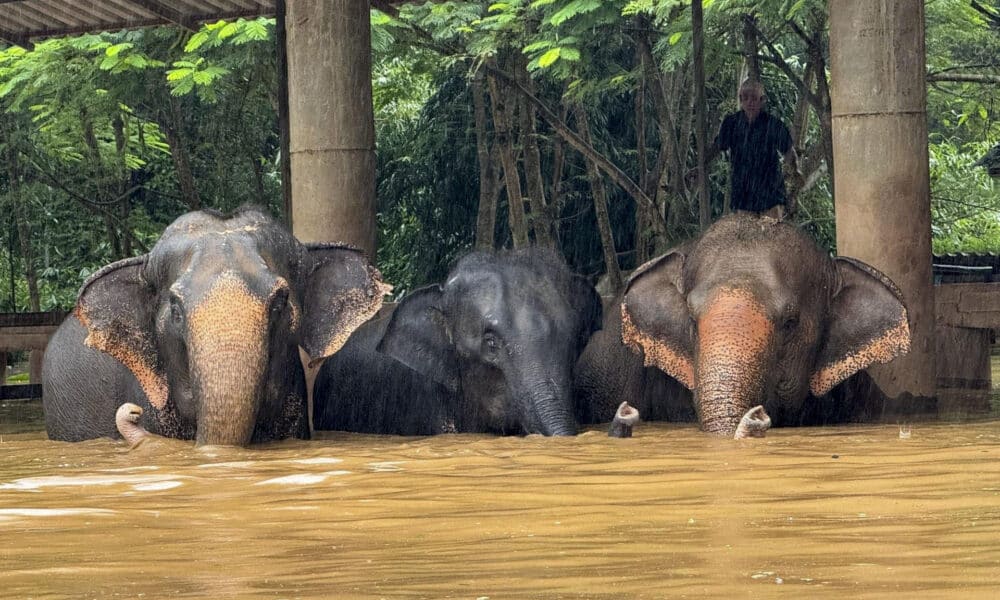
483,114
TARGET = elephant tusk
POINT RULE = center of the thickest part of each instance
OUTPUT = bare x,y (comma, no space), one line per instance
625,418
753,424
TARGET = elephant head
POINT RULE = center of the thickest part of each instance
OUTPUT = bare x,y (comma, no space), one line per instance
210,319
754,312
502,333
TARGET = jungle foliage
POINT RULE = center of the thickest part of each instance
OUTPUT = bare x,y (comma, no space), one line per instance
566,123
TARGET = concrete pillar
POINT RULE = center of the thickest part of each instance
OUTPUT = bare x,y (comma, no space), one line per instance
881,170
331,124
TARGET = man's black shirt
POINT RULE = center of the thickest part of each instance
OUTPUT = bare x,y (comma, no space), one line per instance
756,181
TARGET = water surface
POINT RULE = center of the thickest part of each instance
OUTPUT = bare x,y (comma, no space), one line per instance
821,513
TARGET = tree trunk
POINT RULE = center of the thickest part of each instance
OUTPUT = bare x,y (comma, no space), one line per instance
179,154
502,127
541,219
750,47
558,162
124,189
824,112
600,208
641,214
486,217
609,168
281,58
698,29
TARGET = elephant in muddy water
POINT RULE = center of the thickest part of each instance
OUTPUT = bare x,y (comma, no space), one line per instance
490,350
753,312
203,332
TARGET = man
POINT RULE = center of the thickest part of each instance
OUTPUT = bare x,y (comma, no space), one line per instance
754,140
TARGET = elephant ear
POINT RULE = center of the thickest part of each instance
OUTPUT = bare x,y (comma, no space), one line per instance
118,308
340,291
587,303
868,324
655,318
418,336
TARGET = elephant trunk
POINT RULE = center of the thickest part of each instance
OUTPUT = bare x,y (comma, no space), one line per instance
549,408
228,353
734,339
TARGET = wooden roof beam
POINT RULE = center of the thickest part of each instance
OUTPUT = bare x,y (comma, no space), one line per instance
17,39
165,11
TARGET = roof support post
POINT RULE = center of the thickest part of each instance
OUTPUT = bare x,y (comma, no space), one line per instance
881,167
331,122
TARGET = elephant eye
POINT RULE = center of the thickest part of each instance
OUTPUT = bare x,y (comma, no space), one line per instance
279,301
790,323
491,344
176,311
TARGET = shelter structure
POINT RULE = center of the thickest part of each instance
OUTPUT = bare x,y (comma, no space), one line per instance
326,116
879,127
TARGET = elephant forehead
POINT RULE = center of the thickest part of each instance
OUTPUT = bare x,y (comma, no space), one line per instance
228,308
204,254
736,311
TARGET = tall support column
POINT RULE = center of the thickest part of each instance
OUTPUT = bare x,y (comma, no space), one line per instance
881,167
332,130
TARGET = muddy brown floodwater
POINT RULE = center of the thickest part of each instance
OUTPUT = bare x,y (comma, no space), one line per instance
835,512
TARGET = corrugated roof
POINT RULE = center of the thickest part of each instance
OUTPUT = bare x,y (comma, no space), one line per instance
23,21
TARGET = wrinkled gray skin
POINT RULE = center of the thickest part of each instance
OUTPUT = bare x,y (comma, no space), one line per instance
490,350
752,312
203,333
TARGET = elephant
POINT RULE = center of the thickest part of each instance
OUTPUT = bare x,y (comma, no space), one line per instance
491,350
203,332
751,312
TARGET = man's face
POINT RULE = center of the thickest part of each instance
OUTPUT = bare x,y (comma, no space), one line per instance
751,102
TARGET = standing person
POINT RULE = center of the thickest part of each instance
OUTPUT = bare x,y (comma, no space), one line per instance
754,139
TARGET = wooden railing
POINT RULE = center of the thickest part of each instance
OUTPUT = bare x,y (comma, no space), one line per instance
26,331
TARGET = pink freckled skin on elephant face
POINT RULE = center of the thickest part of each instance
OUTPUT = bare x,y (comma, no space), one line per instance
228,340
892,343
657,353
734,333
133,351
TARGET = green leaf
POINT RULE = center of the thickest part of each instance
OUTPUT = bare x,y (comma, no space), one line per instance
675,37
549,57
183,87
539,45
178,74
569,54
202,77
216,71
196,41
108,63
794,8
117,48
228,31
574,8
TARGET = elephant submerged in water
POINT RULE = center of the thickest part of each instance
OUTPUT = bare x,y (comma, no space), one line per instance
202,333
752,312
490,350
